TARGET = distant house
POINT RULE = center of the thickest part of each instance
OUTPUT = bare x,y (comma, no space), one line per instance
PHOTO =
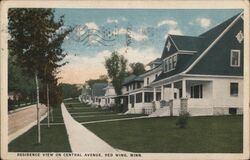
109,96
98,93
86,95
202,75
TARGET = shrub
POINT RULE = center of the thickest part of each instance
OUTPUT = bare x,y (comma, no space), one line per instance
182,120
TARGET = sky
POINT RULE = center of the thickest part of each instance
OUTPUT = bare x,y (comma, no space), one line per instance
138,34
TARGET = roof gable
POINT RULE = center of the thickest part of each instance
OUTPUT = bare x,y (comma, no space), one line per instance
169,48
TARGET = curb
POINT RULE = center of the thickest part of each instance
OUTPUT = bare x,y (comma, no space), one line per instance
20,109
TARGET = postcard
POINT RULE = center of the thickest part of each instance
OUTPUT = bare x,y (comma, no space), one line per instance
130,80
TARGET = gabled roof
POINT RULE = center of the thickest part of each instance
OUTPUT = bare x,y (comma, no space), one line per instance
198,44
132,78
187,43
155,61
98,89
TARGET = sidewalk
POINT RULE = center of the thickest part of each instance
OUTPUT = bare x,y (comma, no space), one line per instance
80,138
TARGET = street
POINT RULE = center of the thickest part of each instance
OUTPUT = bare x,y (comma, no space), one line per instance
20,119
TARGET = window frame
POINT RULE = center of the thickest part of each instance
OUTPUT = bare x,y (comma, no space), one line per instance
170,62
231,56
234,94
200,91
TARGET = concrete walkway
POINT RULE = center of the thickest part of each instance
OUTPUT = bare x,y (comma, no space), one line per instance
80,138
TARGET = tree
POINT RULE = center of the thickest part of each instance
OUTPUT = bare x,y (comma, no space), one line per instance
69,90
137,68
116,67
35,41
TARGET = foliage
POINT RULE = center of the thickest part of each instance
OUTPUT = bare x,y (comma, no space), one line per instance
116,67
69,90
36,39
183,119
137,68
20,82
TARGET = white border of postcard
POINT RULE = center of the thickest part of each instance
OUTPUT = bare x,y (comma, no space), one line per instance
144,4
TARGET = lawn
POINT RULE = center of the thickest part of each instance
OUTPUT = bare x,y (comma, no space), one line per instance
54,139
104,117
82,112
218,134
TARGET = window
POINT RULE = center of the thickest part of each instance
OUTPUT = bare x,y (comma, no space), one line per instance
127,88
170,63
131,99
138,97
147,80
175,95
240,36
158,96
180,93
234,89
133,85
166,65
196,91
235,58
174,61
138,85
156,76
148,96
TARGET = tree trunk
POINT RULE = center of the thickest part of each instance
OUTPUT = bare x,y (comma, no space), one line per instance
52,116
48,112
37,108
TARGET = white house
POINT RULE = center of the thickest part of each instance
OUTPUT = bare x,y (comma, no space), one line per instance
109,97
202,74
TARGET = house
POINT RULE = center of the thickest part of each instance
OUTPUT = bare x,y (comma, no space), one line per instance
109,96
86,95
138,90
97,94
199,74
207,70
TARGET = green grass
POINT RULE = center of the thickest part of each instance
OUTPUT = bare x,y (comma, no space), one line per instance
219,134
100,117
53,139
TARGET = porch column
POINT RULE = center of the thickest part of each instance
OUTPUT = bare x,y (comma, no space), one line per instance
128,99
162,92
154,98
143,97
172,90
184,92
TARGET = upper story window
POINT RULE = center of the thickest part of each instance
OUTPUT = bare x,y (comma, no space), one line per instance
147,80
138,85
156,76
235,58
170,63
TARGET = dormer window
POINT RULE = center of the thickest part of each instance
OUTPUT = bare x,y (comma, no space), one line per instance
170,63
235,58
